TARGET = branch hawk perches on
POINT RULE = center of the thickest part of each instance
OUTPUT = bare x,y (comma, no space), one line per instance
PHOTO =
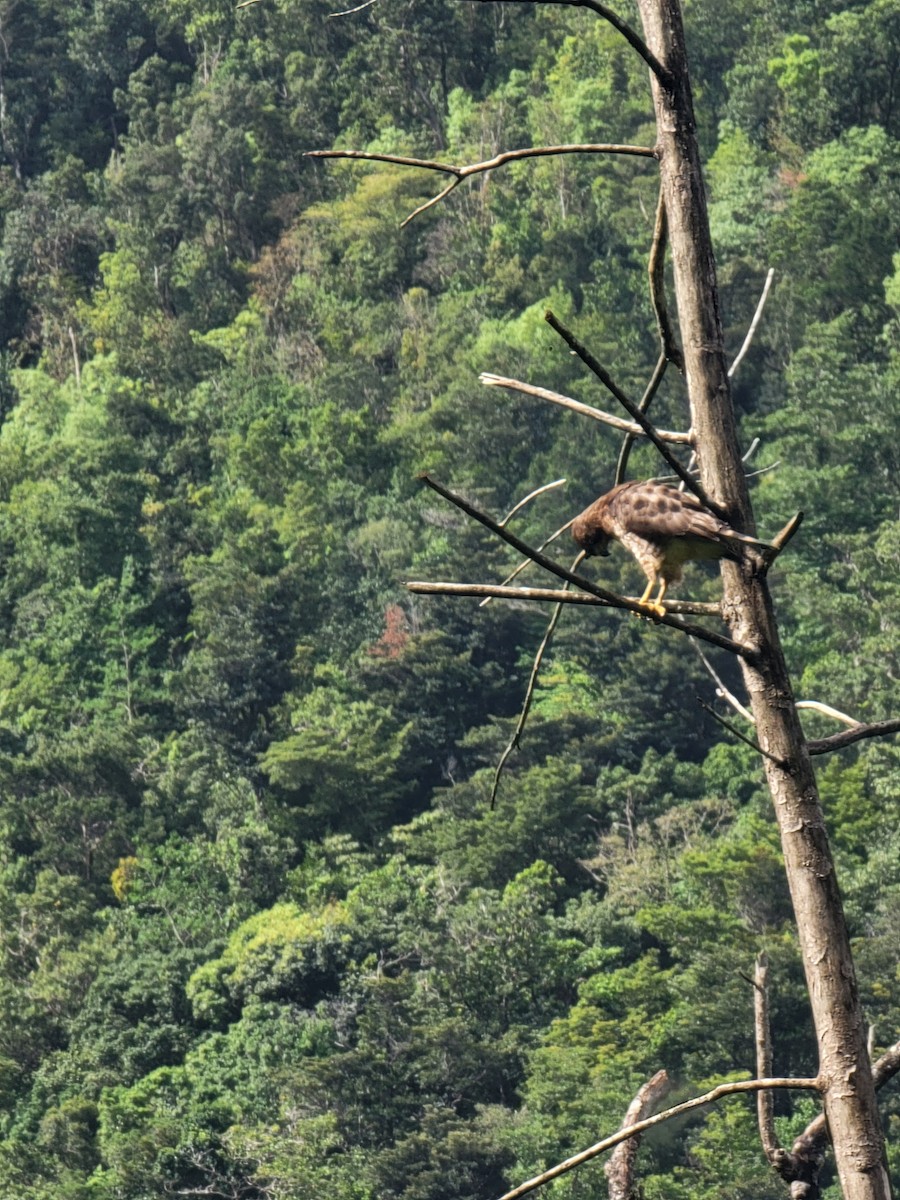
663,528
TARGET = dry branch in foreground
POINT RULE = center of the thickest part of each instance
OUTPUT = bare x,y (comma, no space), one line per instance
632,428
724,1089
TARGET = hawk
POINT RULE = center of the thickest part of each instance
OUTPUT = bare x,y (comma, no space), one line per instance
663,528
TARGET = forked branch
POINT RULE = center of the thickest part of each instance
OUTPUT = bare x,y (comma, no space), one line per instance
800,1166
814,1139
460,173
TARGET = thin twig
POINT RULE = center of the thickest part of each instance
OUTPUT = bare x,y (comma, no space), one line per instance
837,741
460,173
517,571
740,736
529,692
347,12
656,270
586,585
724,1089
692,469
645,401
722,690
422,587
634,412
753,324
749,475
586,410
512,512
531,495
662,74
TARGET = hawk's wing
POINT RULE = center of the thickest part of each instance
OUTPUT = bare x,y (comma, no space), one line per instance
658,512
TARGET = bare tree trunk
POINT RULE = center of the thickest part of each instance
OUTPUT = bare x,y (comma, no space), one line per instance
844,1069
619,1169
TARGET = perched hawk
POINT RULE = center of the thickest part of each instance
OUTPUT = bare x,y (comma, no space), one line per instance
663,528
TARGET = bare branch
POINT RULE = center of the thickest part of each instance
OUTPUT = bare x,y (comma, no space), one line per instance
765,1107
741,736
808,1151
347,12
816,705
634,40
722,690
837,741
514,574
645,401
828,711
531,495
633,411
781,539
427,164
632,428
586,585
619,1170
460,173
442,194
656,269
529,691
498,591
753,324
724,1089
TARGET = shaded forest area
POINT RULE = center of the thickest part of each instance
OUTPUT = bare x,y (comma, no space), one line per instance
260,934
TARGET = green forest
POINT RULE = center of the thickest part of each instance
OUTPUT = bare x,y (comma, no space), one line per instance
262,936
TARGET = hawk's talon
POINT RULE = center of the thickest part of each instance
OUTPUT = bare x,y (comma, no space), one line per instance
652,611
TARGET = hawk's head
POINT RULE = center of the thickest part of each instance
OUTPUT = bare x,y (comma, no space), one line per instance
589,532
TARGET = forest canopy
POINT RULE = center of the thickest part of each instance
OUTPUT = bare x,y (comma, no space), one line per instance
261,934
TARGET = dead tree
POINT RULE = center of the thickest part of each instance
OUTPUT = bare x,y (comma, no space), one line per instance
844,1079
845,1076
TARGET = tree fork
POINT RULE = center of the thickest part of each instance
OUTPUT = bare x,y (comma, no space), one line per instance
844,1071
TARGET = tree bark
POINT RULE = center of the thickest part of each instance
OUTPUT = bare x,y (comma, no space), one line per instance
844,1071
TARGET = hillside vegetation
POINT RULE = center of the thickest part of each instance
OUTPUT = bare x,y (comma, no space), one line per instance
260,934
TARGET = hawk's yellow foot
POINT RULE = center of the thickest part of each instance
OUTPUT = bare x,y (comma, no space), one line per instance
655,606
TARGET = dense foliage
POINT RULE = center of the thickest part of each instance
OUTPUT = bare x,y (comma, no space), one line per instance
260,935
